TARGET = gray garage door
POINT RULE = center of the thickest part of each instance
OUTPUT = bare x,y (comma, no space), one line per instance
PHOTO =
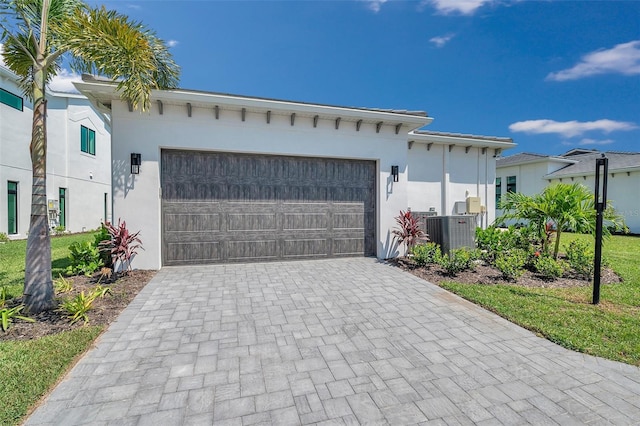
226,207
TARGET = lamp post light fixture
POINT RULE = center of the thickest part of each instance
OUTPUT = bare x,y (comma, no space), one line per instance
136,161
394,173
602,167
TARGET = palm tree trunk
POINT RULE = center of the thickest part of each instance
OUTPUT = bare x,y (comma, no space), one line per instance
557,246
38,285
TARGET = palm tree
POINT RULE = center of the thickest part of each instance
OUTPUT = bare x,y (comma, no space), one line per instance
37,36
568,207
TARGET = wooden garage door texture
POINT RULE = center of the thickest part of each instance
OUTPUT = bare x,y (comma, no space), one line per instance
228,207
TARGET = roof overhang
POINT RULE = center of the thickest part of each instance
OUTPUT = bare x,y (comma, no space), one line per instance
461,140
103,93
538,160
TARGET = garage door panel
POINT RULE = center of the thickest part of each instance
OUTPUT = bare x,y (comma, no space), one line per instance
220,207
306,248
193,252
252,250
252,222
192,222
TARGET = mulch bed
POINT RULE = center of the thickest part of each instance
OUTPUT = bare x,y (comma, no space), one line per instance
105,309
487,275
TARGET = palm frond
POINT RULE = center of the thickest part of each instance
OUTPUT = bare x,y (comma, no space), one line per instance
110,44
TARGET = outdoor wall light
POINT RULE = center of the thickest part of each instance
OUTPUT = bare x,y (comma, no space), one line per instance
394,173
136,160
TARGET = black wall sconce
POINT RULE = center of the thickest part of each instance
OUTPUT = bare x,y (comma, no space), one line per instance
136,160
394,173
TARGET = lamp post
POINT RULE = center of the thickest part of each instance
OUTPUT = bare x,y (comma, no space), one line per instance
602,167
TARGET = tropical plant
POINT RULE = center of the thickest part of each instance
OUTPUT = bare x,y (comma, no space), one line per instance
122,246
84,258
7,315
62,285
408,230
426,254
37,36
77,308
568,207
492,241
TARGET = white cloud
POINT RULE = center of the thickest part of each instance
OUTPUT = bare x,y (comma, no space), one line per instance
570,129
440,41
172,43
134,6
63,82
462,7
623,59
375,5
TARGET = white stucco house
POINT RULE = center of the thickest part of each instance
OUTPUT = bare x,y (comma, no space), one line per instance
225,178
530,173
78,161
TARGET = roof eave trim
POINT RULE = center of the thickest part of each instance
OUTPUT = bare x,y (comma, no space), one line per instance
449,140
102,91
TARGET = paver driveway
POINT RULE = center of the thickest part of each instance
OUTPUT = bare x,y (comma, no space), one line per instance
338,341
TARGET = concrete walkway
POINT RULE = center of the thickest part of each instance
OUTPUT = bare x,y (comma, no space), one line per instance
349,341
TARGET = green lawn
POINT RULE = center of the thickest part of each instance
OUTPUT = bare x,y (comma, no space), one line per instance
566,316
30,368
12,260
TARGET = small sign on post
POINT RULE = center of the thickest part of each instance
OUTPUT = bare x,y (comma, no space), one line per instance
602,167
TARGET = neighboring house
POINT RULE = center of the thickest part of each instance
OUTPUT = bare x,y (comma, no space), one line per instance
234,178
78,161
531,173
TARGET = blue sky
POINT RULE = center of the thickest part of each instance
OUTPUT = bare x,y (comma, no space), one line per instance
552,75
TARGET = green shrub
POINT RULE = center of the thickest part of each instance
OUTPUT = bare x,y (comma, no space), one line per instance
458,260
426,254
548,267
4,238
84,257
493,241
102,241
511,263
580,257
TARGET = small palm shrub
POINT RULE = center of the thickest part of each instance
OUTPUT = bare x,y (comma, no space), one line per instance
102,238
458,260
511,263
548,268
408,230
426,254
580,257
84,258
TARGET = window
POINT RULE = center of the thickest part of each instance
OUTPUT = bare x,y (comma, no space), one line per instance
498,191
87,140
12,202
62,193
10,99
511,184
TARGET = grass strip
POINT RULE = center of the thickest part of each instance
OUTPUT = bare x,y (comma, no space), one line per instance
30,368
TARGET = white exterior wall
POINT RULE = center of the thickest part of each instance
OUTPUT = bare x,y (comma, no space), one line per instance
438,178
136,198
86,177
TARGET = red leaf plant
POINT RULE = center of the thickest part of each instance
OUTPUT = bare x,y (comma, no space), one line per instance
408,230
123,245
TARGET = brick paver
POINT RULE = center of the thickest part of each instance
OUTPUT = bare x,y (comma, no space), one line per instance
342,341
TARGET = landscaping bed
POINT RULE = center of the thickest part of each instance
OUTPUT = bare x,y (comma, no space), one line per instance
487,275
104,310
